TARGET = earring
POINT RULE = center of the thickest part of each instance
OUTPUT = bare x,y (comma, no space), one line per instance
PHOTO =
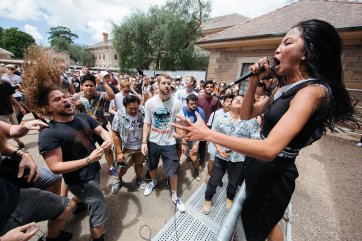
303,58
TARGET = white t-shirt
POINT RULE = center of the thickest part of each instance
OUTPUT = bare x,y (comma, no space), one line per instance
134,140
160,115
14,80
182,94
117,102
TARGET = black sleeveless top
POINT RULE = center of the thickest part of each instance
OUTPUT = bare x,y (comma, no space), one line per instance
311,131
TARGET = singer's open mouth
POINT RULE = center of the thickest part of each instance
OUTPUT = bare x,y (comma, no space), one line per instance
276,61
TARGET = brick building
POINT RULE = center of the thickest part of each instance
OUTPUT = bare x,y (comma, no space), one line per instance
104,54
233,50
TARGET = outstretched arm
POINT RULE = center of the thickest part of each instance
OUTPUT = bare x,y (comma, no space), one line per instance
301,108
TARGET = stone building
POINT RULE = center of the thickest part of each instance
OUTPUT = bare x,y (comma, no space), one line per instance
233,50
104,54
4,54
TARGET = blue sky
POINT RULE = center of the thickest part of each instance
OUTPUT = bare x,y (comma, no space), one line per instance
89,18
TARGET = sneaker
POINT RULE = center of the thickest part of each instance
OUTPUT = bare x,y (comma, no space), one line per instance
63,236
113,172
148,176
228,204
150,187
141,183
207,207
359,144
179,204
21,146
116,186
168,184
197,175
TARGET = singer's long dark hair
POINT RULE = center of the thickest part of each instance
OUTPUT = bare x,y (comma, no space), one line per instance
322,46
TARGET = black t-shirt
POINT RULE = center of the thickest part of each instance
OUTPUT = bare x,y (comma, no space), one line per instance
75,138
8,198
5,92
100,88
76,84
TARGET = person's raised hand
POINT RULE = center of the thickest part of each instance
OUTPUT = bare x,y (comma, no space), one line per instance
106,145
192,131
22,233
35,124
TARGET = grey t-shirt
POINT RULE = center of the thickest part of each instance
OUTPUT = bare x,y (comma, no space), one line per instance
160,115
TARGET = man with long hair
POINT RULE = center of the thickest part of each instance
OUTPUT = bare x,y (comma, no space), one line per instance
67,144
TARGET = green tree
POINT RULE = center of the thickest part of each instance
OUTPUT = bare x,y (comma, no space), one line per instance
16,41
79,54
163,35
1,36
60,44
61,32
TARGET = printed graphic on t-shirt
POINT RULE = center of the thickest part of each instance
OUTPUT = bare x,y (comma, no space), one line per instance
136,131
161,121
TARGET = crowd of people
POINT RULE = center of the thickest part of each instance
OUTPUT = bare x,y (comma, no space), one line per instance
255,137
83,115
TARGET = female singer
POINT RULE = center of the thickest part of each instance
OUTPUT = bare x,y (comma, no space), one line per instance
313,99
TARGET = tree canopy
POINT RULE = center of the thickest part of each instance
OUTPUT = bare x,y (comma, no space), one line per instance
61,32
15,41
163,36
78,53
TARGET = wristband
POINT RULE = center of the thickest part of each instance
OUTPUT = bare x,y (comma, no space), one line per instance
261,83
184,143
88,160
19,153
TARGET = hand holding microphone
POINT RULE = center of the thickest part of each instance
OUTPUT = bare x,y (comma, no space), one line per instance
261,68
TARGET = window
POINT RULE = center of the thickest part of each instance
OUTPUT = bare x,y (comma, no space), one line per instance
115,56
243,86
104,56
99,56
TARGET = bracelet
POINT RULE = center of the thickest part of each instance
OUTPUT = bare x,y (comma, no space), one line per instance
184,143
88,160
144,142
19,153
119,153
261,84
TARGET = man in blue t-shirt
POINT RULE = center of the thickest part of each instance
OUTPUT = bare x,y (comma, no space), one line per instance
191,148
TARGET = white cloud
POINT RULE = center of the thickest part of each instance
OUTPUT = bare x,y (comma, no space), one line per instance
33,31
21,10
247,8
96,28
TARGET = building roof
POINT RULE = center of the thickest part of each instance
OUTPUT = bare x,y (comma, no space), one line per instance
225,21
4,51
107,43
342,14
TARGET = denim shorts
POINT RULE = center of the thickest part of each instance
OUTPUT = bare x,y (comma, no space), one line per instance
91,194
168,155
35,205
46,179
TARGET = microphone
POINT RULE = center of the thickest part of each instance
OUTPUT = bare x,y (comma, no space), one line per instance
248,75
